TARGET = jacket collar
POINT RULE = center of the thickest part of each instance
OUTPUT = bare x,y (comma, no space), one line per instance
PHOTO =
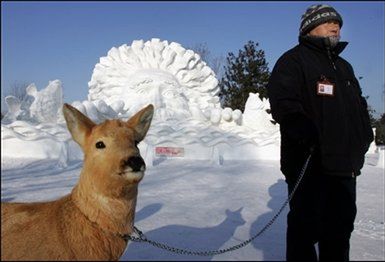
320,44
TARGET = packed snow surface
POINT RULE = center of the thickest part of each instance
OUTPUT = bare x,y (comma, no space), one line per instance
200,205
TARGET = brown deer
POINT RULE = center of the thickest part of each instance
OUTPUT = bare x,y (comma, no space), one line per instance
90,222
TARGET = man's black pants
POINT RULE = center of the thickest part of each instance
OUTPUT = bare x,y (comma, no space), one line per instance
322,210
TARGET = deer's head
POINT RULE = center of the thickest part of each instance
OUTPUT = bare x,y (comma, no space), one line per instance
112,161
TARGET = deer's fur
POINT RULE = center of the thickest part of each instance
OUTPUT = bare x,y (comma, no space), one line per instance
87,224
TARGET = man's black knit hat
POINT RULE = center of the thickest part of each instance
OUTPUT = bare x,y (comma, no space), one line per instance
316,15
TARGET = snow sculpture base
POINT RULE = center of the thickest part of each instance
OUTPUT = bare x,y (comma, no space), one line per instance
23,140
204,141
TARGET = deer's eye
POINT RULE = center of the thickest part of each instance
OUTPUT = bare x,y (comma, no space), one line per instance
100,145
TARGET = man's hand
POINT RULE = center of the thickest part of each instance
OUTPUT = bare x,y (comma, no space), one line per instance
300,130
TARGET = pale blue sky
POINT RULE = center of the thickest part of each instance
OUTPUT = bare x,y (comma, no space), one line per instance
43,41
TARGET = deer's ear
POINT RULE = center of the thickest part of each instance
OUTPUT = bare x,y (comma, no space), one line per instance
141,122
78,124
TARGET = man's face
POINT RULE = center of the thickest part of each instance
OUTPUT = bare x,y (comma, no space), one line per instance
330,28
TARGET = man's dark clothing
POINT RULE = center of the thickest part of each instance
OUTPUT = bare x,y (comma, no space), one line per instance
337,126
341,121
322,210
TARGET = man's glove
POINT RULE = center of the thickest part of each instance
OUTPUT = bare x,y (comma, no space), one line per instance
299,130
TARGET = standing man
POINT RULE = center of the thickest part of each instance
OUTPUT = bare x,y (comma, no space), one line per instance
317,100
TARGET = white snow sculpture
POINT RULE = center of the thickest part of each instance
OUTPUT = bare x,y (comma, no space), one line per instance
227,114
97,111
188,114
255,115
216,115
118,106
17,110
237,116
196,112
184,91
174,79
14,109
47,102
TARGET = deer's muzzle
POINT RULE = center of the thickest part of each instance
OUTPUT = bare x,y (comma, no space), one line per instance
136,163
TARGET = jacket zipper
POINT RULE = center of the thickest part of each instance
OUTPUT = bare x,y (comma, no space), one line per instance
331,60
344,108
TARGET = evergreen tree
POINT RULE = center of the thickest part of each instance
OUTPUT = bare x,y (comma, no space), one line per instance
244,74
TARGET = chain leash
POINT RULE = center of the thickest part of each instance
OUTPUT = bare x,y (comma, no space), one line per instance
140,237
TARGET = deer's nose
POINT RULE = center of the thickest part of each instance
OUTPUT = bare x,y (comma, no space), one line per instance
135,162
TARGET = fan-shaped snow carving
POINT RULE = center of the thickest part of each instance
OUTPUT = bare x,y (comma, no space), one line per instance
167,75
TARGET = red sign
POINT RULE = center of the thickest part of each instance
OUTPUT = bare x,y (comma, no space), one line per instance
169,151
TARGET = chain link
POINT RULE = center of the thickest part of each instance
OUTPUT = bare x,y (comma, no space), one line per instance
142,238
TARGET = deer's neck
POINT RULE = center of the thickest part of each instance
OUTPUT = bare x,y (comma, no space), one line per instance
113,215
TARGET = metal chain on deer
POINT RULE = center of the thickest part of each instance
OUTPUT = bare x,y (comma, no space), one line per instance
142,238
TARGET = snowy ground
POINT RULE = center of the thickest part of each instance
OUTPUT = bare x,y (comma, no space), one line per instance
204,206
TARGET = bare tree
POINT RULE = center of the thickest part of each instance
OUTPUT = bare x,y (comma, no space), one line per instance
215,63
202,50
17,89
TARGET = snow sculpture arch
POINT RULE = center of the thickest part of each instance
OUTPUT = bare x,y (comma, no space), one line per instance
172,78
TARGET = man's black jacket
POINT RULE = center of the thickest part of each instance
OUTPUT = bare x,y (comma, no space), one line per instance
338,125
